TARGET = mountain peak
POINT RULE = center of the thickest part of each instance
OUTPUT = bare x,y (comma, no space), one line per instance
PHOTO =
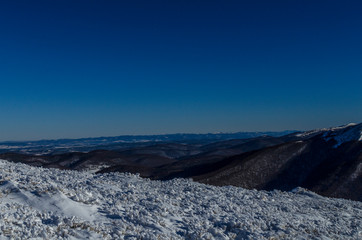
346,133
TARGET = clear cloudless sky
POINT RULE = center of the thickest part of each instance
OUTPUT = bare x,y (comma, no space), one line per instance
71,69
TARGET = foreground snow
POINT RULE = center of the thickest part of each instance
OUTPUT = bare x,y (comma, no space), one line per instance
51,204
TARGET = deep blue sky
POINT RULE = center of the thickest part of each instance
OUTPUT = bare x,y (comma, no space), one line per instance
72,69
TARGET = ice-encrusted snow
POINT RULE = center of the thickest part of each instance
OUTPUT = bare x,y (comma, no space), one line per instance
54,204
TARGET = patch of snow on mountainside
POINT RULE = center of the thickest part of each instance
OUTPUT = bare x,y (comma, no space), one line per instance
343,126
310,133
318,131
54,204
350,132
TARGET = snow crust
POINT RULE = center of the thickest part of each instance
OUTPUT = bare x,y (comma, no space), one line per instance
53,204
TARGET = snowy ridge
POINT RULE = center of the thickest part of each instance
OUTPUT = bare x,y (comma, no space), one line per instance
350,132
321,130
53,204
341,134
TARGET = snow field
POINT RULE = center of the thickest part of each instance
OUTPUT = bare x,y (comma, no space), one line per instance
37,203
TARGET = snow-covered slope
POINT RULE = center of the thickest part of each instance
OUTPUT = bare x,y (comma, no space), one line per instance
341,134
52,204
324,130
350,132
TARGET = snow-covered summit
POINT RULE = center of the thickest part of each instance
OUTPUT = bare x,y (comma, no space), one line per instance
53,204
320,130
341,134
349,132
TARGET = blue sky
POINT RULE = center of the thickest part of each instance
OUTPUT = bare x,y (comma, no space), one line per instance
72,69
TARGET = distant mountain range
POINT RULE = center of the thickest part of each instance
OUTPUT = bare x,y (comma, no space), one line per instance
122,142
327,161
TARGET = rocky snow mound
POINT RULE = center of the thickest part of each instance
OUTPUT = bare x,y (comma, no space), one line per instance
52,204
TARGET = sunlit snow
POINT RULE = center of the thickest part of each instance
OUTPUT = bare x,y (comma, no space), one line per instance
54,204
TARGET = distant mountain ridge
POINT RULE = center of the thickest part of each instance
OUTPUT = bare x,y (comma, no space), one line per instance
327,161
123,141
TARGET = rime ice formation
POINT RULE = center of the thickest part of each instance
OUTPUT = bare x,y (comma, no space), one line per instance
53,204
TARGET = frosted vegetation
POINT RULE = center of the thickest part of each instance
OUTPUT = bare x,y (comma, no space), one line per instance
53,204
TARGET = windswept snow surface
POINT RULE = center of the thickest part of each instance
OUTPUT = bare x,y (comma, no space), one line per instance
52,204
